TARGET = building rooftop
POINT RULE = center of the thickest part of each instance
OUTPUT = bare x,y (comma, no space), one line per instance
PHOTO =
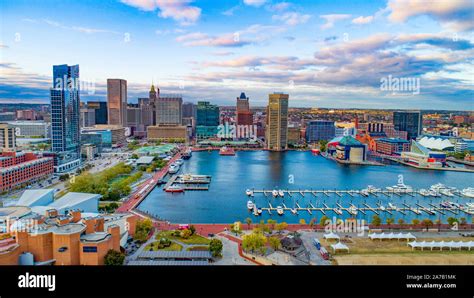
349,141
32,197
145,160
95,237
72,199
393,140
197,254
13,212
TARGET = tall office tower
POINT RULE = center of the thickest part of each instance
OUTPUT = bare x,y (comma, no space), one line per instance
276,133
409,121
147,111
7,137
318,130
117,101
243,113
207,120
87,118
153,97
100,111
169,110
65,130
189,110
243,103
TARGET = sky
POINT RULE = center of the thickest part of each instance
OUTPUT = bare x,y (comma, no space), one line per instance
339,54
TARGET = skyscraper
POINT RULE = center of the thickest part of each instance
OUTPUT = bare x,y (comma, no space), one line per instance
117,101
318,130
207,120
243,103
409,121
169,110
65,131
276,134
100,111
244,115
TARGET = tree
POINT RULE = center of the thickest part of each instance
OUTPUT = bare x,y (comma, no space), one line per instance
312,222
113,258
401,222
215,247
427,223
185,234
142,229
281,226
324,221
463,221
192,228
274,242
248,220
415,222
254,241
389,221
438,223
376,221
452,220
272,223
323,145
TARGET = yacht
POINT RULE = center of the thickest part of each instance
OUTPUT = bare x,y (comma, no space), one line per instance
173,169
445,204
255,210
400,188
446,192
394,207
424,192
250,204
364,192
353,210
174,188
187,154
469,207
371,189
468,192
281,193
382,207
249,192
280,210
275,193
433,193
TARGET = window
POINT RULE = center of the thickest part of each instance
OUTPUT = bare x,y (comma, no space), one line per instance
89,249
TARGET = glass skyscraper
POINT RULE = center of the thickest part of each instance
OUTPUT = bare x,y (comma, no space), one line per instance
409,122
207,120
65,131
318,130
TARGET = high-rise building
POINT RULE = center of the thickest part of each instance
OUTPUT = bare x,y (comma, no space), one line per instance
87,117
243,103
276,134
320,130
189,110
207,120
409,121
100,111
117,102
65,117
169,110
243,113
7,137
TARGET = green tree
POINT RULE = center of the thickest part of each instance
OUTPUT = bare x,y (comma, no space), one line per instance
114,258
312,222
281,226
271,223
248,220
185,234
401,222
215,247
415,222
274,242
452,220
376,221
302,221
427,223
254,242
463,221
142,229
323,145
324,221
389,221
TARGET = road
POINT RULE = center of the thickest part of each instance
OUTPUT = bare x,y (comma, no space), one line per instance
314,255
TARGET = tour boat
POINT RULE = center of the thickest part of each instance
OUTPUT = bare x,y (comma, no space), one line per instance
250,204
226,151
174,188
249,192
468,192
275,193
315,151
281,193
280,210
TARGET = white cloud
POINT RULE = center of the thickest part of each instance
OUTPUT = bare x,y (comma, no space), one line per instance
363,20
292,18
457,15
256,3
331,19
179,10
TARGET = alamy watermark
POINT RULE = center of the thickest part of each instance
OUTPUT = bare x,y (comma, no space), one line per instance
75,84
232,131
400,85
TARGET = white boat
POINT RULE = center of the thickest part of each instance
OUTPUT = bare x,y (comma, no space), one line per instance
338,211
259,211
250,205
275,193
469,207
255,210
446,192
249,192
382,207
173,169
280,210
400,188
371,189
394,207
364,192
293,210
468,192
281,193
353,210
179,161
433,193
424,192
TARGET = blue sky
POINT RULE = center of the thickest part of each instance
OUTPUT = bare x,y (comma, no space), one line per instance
323,53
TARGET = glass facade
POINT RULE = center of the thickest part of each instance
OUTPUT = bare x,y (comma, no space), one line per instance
207,120
320,130
409,122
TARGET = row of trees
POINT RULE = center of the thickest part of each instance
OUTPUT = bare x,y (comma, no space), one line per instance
269,227
427,223
256,242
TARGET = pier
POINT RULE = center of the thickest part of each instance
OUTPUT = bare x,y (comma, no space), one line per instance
189,182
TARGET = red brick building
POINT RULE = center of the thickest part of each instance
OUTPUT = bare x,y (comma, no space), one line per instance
17,168
391,146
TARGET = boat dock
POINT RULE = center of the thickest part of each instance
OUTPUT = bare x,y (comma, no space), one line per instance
189,182
418,209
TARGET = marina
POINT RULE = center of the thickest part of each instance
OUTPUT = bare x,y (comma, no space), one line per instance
295,185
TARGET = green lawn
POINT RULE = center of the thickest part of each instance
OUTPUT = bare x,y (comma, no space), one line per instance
194,239
154,247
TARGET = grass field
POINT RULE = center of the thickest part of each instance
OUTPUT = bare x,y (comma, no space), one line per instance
154,247
194,239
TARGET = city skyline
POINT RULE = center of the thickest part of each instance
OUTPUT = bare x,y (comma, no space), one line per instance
322,54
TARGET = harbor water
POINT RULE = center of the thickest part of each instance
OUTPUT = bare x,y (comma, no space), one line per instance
226,201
